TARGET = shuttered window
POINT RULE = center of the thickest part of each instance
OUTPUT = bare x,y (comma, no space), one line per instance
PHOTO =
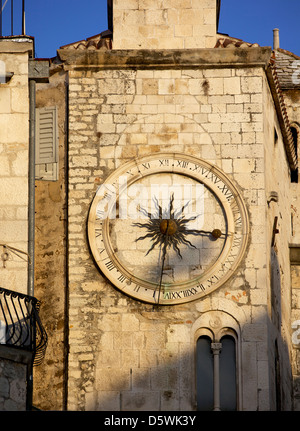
46,151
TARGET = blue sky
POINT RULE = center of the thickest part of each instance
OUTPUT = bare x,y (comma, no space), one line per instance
54,23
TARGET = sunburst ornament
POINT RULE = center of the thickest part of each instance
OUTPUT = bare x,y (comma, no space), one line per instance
169,228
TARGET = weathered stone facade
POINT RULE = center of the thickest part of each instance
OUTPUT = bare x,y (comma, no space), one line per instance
290,85
166,24
13,379
18,307
50,252
122,354
147,97
14,144
12,386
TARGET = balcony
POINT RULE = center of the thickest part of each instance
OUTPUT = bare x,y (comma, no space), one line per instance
20,324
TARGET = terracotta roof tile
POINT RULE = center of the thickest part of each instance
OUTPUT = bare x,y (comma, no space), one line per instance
103,41
99,41
225,41
287,64
281,108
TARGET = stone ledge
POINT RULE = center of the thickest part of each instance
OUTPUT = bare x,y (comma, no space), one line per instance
168,58
17,44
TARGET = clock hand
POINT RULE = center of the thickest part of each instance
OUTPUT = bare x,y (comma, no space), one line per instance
216,233
164,253
167,228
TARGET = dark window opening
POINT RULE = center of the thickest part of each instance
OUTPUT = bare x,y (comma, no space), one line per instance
228,374
295,138
294,174
205,375
275,137
216,375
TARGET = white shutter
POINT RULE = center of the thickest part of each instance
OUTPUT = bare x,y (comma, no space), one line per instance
46,144
46,135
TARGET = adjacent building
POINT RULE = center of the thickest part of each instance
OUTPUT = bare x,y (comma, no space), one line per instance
22,337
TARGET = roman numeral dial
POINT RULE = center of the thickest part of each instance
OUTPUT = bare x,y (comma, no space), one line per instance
168,228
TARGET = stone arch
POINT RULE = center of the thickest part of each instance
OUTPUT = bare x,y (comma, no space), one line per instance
216,324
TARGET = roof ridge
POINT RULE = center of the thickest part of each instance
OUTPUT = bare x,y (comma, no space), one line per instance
225,41
289,53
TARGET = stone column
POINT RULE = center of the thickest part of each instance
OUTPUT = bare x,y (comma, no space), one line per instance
216,349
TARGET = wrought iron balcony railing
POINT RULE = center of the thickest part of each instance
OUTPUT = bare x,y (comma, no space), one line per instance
20,324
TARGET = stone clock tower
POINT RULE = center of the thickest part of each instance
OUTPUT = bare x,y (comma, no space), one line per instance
176,217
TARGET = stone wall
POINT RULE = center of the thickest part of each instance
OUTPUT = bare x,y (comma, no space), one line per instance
13,379
124,356
50,255
295,324
14,138
167,24
292,101
12,386
278,235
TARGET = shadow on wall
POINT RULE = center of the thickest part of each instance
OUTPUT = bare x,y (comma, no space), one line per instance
280,353
275,290
144,372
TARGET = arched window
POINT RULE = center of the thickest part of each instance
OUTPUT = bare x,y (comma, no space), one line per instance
295,130
228,371
204,375
216,373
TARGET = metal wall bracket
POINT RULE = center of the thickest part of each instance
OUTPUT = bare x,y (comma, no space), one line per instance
4,79
275,230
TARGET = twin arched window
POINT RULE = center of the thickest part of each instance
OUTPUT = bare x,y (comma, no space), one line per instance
217,362
216,374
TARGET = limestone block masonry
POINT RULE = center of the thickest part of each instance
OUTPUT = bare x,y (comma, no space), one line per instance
14,138
12,386
167,24
123,354
50,253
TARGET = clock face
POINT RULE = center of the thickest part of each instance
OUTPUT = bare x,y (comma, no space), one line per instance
168,228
